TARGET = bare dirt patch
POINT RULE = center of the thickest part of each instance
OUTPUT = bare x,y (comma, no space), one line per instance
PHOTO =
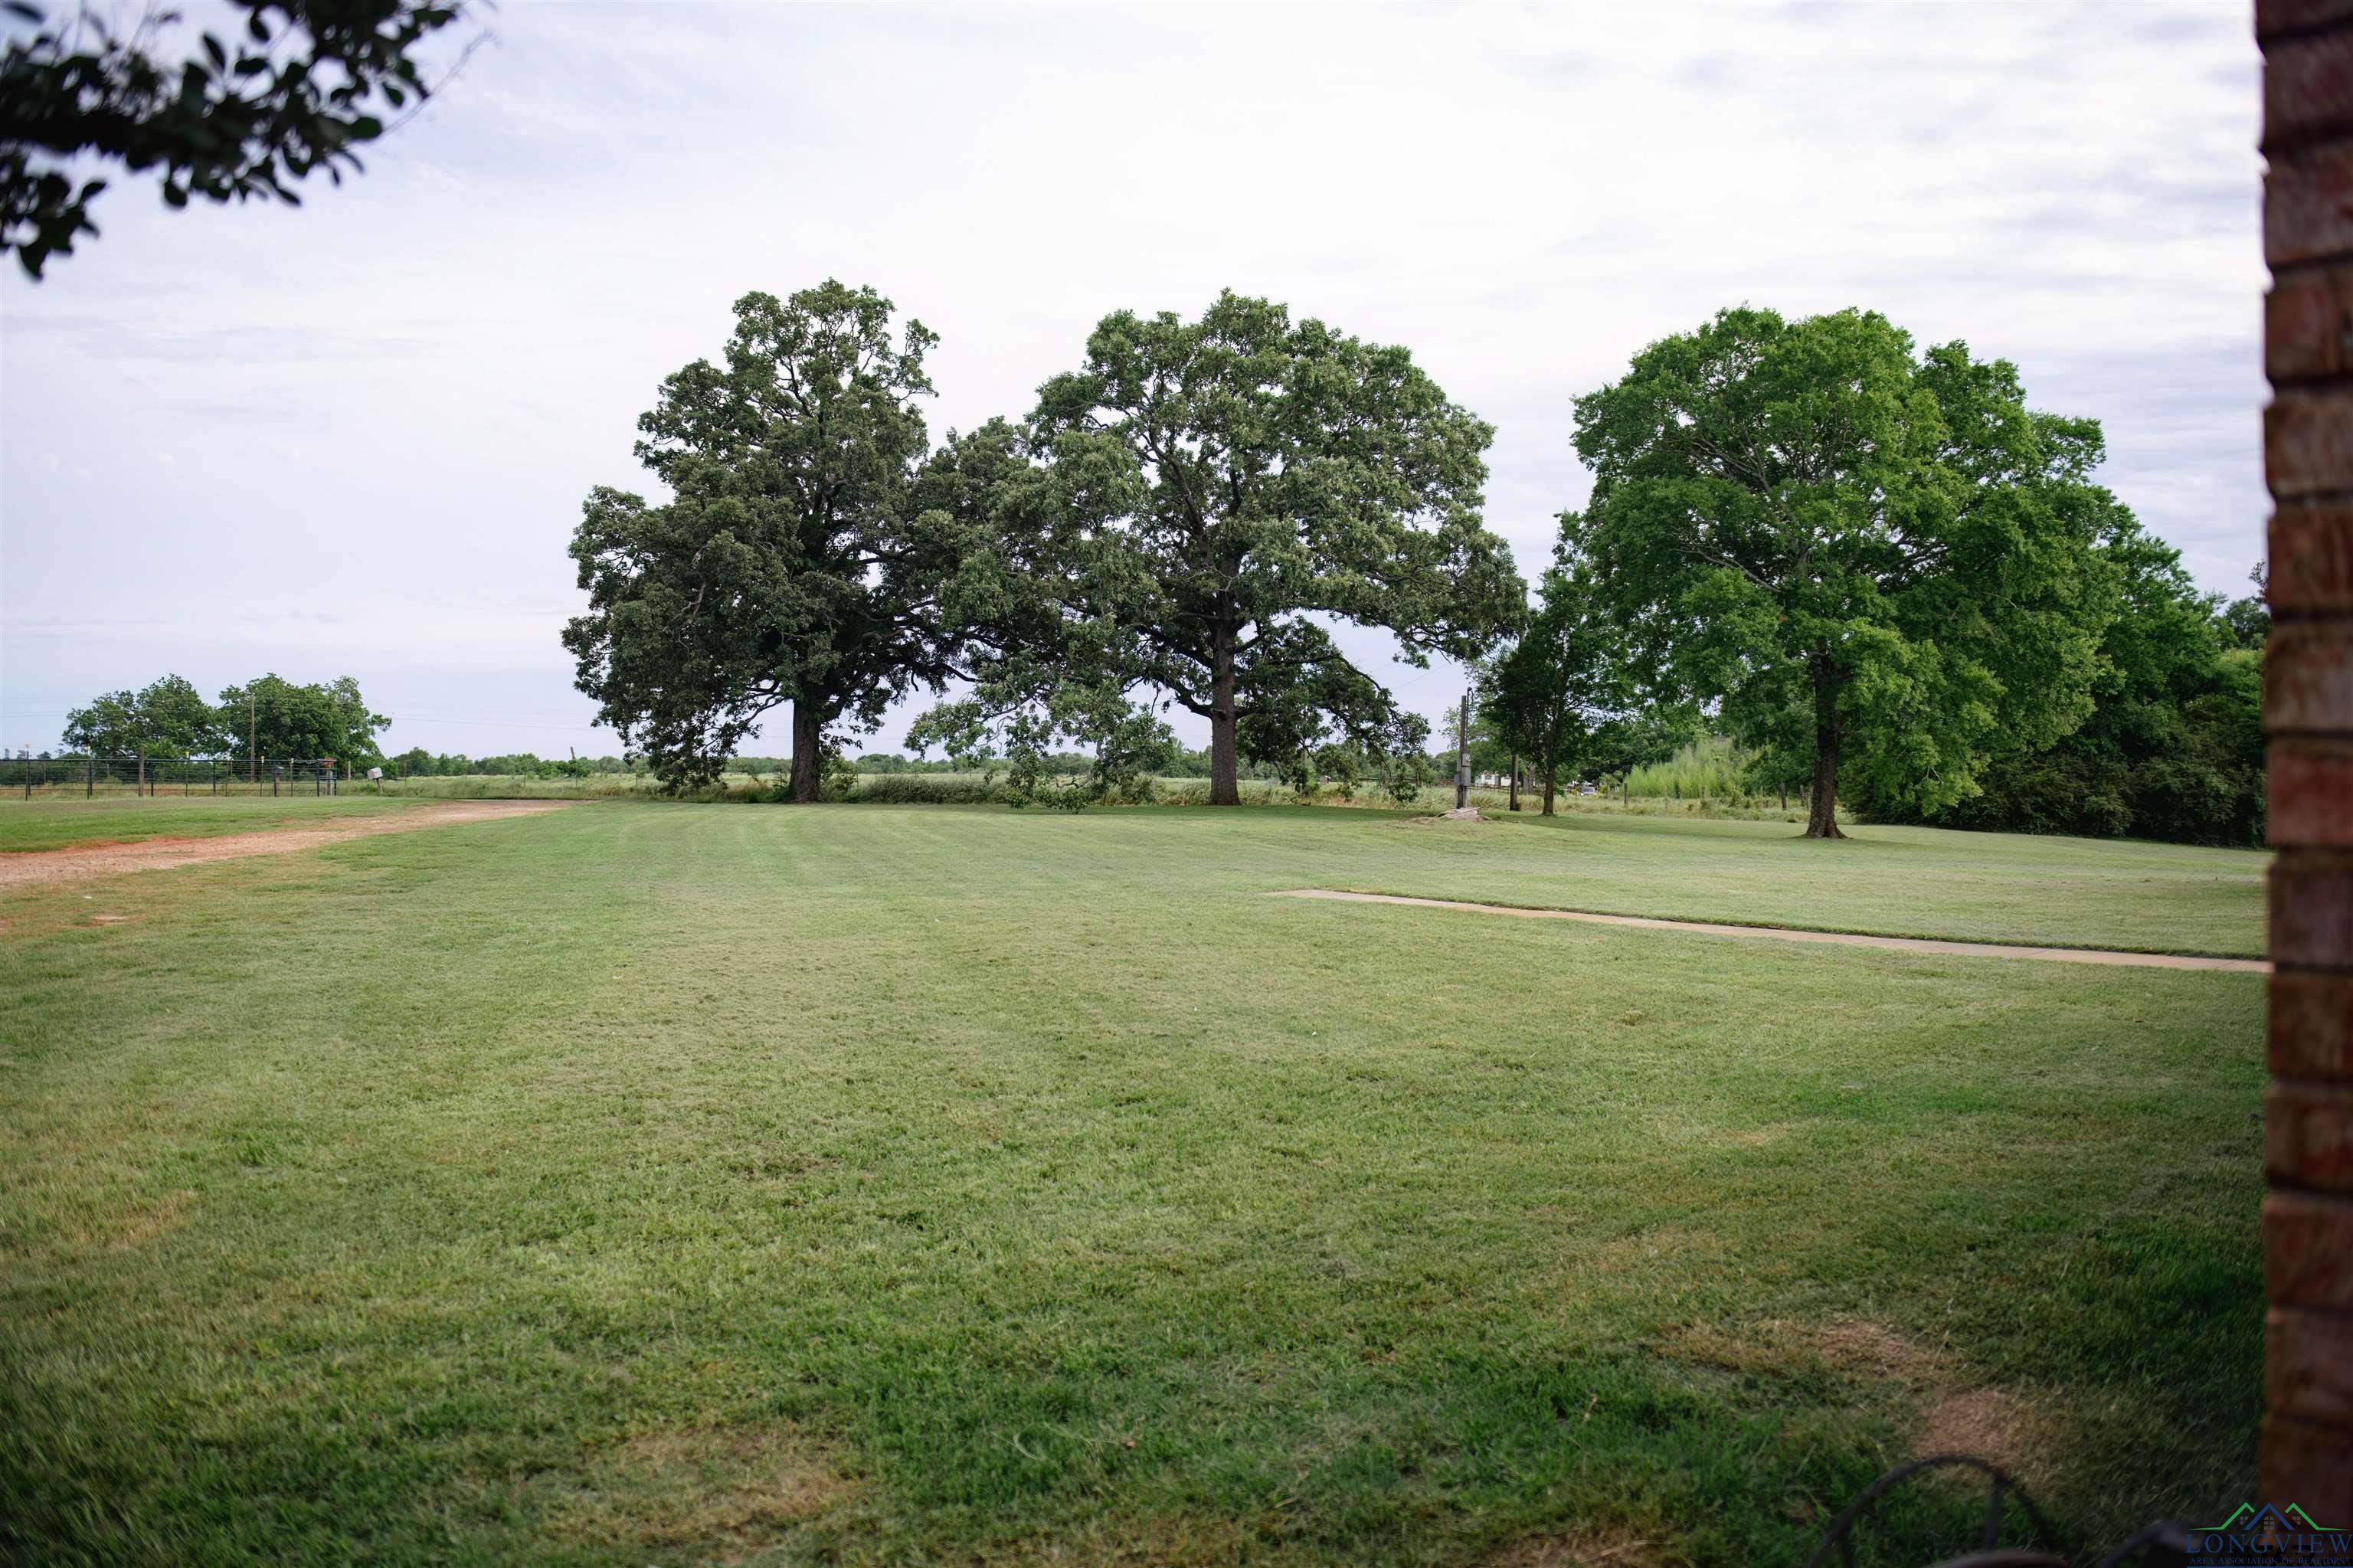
1880,1350
1583,1548
168,1212
45,868
1955,1416
1988,1423
722,1490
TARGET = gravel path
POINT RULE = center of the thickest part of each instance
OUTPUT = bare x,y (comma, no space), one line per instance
36,868
1843,938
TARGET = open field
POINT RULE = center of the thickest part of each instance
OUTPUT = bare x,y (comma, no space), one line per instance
671,1184
958,789
1886,881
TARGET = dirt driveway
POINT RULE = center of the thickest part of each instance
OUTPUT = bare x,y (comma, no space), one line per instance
38,868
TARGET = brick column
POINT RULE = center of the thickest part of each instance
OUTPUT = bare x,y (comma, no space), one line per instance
2308,47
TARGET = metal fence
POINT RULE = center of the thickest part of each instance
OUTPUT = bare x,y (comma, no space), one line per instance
46,777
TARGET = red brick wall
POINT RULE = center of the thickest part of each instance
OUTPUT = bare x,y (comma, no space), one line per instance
2308,48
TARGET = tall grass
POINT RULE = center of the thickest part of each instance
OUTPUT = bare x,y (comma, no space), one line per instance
929,789
1709,768
504,787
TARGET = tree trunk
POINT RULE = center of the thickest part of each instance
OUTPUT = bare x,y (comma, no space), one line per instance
1515,781
1551,774
809,736
1225,767
1822,822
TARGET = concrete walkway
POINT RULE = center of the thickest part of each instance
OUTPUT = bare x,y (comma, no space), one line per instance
1842,938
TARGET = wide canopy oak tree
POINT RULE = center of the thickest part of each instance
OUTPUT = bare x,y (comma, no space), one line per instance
1210,494
169,718
1807,518
273,716
791,565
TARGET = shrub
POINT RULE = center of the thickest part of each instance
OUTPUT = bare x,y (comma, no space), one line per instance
928,789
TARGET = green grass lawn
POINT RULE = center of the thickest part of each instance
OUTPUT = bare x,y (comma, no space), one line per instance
651,1183
47,825
1896,882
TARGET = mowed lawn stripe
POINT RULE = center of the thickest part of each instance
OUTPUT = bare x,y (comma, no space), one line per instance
653,1183
2119,958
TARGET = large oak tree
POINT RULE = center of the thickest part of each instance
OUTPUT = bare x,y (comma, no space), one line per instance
1204,497
791,564
273,716
1883,555
168,718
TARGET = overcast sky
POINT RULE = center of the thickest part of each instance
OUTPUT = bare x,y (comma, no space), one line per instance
354,438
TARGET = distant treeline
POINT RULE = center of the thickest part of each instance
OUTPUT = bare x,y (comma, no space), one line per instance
419,763
268,717
1175,763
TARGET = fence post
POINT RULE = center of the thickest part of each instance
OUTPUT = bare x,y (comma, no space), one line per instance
89,776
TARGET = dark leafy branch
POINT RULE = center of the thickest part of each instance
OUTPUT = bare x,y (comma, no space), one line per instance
297,88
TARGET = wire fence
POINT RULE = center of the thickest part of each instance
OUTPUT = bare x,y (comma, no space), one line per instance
44,777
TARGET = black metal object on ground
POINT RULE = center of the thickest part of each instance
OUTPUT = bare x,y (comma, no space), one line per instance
2162,1545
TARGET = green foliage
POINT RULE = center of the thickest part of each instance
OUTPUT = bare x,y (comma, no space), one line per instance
1885,559
297,88
167,718
1178,509
279,718
928,789
791,565
418,763
2249,621
1399,758
2174,748
1342,766
1128,743
1644,738
840,775
1293,711
1549,698
1697,771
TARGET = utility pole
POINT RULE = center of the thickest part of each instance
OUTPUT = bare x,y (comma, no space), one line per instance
1462,756
252,762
